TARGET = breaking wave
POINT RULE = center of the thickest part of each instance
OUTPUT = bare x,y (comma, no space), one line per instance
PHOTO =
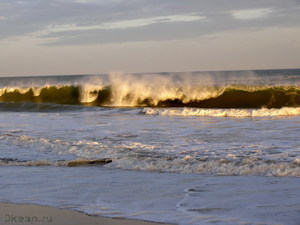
212,90
203,97
223,167
206,97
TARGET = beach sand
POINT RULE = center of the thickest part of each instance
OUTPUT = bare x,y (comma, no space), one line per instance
18,214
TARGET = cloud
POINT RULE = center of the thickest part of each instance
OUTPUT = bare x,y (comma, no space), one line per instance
249,14
148,21
85,22
125,24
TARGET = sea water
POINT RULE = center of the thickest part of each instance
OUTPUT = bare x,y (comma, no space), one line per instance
186,148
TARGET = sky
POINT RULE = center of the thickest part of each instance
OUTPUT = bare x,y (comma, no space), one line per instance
57,37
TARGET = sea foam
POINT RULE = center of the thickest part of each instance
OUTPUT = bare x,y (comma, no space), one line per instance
189,112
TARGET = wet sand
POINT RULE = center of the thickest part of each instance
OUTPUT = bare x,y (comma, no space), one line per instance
18,214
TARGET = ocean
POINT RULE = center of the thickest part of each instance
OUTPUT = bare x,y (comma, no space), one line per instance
186,148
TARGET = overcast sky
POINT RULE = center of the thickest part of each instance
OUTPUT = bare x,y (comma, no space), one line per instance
49,37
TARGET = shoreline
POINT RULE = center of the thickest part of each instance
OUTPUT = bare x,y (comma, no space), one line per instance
16,214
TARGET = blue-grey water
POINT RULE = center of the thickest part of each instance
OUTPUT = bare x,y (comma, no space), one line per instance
186,148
